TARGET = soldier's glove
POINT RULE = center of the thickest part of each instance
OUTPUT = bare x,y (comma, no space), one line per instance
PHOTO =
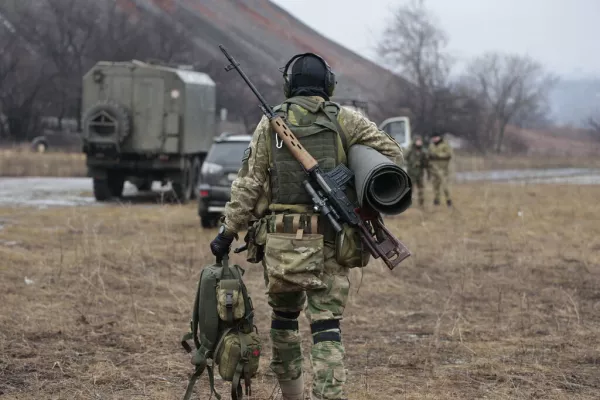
221,244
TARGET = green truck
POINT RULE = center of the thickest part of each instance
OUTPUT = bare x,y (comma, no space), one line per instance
145,122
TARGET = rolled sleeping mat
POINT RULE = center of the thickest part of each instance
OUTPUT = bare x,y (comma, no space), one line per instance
380,183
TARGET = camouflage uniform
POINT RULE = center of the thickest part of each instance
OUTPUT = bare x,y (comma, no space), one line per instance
251,196
440,155
417,163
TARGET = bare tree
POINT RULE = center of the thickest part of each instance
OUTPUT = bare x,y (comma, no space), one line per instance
415,47
509,87
67,37
23,81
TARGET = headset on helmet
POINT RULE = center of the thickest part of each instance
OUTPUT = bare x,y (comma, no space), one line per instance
329,75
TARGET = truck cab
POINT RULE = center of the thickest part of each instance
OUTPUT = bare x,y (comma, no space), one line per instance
399,129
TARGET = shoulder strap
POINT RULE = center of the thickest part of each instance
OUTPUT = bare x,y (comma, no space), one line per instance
241,371
194,378
332,110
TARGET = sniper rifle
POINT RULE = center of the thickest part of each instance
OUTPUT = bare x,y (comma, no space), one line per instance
329,197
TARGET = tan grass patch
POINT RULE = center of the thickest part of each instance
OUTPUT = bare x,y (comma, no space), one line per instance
22,162
499,301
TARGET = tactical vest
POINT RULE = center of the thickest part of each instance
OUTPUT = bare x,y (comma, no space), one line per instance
316,126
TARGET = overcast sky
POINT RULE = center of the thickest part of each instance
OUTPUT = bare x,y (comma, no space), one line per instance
563,34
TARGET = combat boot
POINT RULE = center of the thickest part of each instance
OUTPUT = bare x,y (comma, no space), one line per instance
293,390
449,203
436,202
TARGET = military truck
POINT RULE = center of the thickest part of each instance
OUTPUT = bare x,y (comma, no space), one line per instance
399,129
145,122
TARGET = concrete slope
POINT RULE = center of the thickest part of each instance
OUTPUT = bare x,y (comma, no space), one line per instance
264,36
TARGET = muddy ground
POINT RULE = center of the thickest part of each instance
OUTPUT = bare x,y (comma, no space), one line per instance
500,300
70,191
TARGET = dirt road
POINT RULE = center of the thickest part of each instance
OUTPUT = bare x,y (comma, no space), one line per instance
45,192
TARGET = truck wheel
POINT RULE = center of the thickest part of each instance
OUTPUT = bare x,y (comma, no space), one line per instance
195,176
183,188
39,144
144,186
115,184
101,189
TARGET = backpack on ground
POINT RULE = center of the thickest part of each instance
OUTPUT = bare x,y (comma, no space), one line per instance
223,330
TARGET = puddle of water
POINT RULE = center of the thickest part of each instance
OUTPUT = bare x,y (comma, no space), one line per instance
54,192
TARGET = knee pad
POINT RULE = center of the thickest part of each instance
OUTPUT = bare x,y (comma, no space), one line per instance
290,321
323,331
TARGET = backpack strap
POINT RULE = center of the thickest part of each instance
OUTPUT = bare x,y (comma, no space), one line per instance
194,335
194,378
242,369
332,111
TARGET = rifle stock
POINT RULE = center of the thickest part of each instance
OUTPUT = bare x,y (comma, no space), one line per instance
330,198
292,143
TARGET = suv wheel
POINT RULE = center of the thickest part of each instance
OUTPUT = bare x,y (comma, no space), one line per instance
209,220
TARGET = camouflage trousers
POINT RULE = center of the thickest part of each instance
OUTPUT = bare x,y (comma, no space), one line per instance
416,178
324,309
440,176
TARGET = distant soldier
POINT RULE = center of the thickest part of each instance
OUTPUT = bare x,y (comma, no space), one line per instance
417,163
440,154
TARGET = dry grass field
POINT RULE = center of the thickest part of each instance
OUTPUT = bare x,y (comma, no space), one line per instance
500,300
20,162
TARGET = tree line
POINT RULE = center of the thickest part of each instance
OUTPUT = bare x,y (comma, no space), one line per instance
493,91
48,45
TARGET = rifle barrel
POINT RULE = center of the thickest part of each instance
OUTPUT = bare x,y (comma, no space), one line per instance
234,64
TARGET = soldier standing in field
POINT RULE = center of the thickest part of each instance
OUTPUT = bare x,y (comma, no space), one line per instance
269,187
417,163
440,154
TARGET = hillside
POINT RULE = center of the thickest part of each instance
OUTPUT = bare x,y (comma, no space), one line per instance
263,37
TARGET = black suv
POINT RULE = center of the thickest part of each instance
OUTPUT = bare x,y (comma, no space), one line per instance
218,172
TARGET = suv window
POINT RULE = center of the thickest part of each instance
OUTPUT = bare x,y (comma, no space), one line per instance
227,153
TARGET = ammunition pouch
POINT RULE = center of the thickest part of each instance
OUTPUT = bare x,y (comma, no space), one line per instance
256,248
349,248
238,355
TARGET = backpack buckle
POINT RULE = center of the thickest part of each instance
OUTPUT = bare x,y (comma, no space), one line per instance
229,300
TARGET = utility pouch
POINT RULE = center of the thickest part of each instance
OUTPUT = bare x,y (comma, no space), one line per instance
230,301
294,262
238,355
350,251
257,237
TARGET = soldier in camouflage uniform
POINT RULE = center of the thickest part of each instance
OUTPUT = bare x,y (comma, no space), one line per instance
417,163
440,154
269,184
